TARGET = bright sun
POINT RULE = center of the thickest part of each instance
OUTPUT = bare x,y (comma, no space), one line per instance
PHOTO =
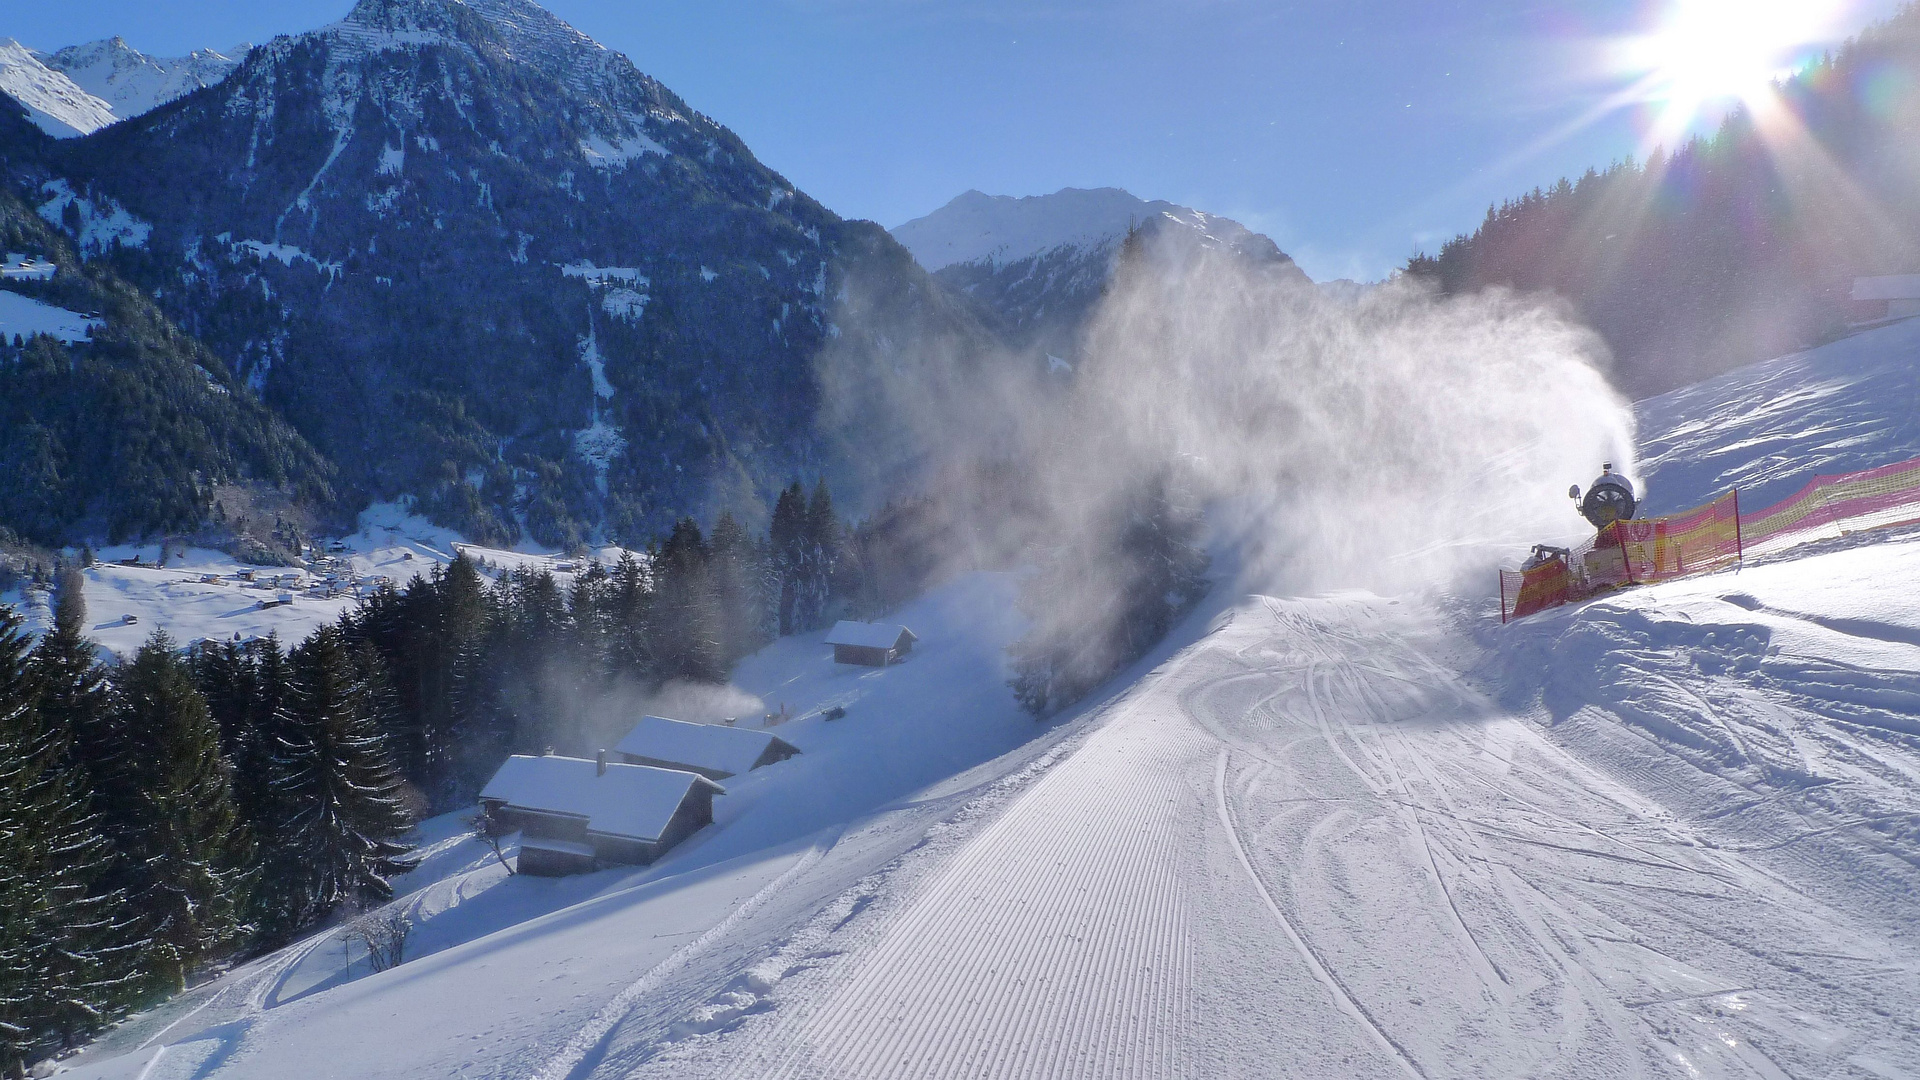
1709,51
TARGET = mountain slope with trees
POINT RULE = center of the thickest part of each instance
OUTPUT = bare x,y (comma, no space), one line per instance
131,431
479,259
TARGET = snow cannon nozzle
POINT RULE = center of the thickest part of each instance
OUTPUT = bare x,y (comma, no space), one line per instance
1610,498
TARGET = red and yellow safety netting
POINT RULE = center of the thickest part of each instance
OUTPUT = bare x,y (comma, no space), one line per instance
1713,537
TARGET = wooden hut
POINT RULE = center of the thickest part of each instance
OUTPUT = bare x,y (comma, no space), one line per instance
870,644
577,814
712,750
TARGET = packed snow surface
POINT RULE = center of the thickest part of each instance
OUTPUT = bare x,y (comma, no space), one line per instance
1673,831
53,102
1768,428
24,316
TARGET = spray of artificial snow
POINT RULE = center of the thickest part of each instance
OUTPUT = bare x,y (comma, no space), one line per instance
1397,439
1388,441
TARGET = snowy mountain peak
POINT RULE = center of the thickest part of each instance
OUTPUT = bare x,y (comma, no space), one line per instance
1038,265
1002,229
525,30
130,82
53,102
618,104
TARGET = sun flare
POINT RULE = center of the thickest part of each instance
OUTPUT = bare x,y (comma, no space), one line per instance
1707,52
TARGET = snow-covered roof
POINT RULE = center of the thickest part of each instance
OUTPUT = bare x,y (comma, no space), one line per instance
1894,287
868,635
634,801
711,748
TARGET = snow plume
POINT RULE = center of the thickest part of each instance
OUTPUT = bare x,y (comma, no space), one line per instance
1386,441
1397,440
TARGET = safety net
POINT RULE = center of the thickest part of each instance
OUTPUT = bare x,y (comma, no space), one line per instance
1711,537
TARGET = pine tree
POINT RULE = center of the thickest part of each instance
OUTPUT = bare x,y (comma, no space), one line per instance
247,692
747,617
61,958
190,843
687,610
787,538
341,841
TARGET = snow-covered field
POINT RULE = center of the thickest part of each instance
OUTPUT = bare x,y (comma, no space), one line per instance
23,316
203,594
1671,832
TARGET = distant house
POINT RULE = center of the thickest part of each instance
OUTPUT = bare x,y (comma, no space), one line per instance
576,814
18,267
712,750
871,644
1879,299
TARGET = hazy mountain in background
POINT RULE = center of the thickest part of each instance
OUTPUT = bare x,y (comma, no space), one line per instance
1036,265
478,258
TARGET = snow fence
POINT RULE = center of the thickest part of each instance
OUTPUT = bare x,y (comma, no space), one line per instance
1712,537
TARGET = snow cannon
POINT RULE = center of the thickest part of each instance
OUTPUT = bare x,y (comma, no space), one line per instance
1609,498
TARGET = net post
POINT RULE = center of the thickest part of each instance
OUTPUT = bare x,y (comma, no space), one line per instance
1739,543
1503,597
1626,560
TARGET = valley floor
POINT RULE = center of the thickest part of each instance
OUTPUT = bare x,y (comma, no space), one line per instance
1671,833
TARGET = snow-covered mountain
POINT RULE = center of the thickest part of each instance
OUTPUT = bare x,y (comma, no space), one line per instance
481,259
54,103
131,82
1037,264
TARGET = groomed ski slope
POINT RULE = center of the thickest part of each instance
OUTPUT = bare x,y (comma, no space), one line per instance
1674,831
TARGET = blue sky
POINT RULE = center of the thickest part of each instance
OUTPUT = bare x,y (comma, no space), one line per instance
1351,131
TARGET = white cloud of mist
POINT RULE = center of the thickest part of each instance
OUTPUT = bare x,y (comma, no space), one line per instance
1386,441
1393,440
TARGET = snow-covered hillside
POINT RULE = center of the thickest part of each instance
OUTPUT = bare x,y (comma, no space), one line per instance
23,316
1671,832
199,594
53,102
1766,428
130,82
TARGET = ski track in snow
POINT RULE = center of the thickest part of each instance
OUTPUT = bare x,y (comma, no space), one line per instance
1461,896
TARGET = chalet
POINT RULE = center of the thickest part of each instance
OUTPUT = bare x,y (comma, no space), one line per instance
576,815
1880,299
712,750
870,644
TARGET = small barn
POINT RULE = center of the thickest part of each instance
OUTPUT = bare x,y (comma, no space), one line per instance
870,644
712,750
576,814
1879,299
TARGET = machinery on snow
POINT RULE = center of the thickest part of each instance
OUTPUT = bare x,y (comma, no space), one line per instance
1609,498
